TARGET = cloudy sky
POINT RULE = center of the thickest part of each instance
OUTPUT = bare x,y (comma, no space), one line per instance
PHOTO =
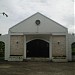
61,11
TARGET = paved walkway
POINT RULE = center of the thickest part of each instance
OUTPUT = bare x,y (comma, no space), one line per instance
37,68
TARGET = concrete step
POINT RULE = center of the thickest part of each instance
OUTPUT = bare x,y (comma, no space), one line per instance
37,59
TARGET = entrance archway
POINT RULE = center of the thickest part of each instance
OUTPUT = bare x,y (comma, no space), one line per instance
2,50
37,48
73,48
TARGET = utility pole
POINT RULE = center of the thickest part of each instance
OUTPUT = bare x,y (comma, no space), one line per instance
4,14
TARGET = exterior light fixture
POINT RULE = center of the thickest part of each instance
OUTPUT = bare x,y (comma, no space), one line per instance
17,42
58,42
37,22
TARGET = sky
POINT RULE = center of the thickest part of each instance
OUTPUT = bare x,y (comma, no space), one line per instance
61,11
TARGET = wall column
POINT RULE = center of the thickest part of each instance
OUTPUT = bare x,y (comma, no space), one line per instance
24,47
7,48
50,48
68,56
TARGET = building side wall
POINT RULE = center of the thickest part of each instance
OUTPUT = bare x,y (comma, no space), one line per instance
5,39
59,45
16,45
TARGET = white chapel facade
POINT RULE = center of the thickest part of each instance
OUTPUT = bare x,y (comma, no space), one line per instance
37,37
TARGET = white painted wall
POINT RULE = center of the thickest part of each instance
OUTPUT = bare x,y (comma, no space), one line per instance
5,39
46,26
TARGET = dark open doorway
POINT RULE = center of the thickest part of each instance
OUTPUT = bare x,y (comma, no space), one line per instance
38,48
73,51
73,48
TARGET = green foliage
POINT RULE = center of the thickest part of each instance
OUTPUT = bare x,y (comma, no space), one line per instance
73,51
2,48
73,45
73,48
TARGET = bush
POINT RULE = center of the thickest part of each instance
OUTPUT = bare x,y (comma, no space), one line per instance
73,48
2,48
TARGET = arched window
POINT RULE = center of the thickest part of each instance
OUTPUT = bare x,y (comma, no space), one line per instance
73,48
2,49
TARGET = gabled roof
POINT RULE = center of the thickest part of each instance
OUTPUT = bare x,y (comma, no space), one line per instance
47,25
35,14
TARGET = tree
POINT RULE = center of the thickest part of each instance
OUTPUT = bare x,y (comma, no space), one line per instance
2,48
73,48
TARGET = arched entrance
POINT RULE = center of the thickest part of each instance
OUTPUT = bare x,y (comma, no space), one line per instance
2,50
37,48
73,48
73,51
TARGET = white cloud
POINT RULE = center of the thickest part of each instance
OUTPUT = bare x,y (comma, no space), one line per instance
71,29
18,10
